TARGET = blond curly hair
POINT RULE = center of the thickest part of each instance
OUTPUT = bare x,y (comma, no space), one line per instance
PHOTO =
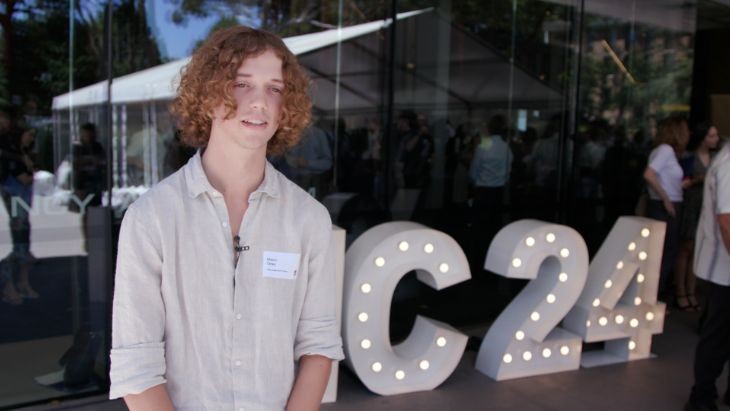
208,80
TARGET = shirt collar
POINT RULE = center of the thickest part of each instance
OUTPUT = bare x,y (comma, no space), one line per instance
198,183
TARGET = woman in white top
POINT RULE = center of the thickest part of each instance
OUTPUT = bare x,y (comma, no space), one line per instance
664,177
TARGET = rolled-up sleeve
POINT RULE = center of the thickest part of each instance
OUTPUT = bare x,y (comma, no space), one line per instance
318,331
138,316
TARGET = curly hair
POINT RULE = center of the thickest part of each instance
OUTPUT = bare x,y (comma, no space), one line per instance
207,82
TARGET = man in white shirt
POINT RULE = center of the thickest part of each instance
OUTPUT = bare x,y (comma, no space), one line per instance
712,263
489,171
224,298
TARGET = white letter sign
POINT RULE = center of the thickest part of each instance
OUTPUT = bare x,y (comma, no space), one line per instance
374,265
524,340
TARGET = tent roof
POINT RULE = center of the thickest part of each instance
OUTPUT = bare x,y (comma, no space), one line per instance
158,83
437,64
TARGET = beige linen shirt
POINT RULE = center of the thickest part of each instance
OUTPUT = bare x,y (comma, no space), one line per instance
221,337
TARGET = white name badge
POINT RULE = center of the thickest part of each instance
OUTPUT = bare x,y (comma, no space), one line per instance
280,265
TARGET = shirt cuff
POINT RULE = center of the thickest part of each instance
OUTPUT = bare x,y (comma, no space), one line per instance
137,368
319,337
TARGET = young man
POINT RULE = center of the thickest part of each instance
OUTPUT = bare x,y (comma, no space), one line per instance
222,280
712,264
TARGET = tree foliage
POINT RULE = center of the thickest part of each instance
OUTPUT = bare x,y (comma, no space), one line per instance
47,53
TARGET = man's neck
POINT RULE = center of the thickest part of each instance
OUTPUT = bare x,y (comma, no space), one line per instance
233,171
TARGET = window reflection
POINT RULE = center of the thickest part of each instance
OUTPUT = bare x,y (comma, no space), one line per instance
482,113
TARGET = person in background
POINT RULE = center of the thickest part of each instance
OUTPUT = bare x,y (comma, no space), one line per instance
704,141
712,264
415,151
89,177
310,160
17,193
489,172
663,176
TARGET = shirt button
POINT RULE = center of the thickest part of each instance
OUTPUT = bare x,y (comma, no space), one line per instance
225,224
238,363
239,316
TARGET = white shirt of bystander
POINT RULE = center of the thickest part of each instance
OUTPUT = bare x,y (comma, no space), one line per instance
712,260
664,162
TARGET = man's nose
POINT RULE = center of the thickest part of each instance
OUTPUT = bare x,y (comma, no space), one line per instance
257,99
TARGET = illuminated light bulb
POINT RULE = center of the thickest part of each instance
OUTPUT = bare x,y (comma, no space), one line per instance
507,358
400,374
403,246
424,365
603,321
608,284
642,256
640,278
519,336
588,323
444,268
619,319
632,246
530,241
596,302
363,317
565,350
632,345
441,342
546,353
637,301
516,262
365,344
550,238
550,298
535,316
380,261
563,277
620,265
649,316
634,323
527,356
366,288
564,253
428,248
377,367
645,232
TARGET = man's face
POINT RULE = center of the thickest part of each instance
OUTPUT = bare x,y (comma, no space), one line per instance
258,93
85,136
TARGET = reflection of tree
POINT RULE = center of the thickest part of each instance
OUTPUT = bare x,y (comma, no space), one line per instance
133,46
36,46
663,79
292,17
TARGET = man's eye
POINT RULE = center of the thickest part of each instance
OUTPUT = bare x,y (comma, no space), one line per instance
276,90
241,85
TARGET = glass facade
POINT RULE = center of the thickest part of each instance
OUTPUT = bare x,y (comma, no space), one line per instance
462,116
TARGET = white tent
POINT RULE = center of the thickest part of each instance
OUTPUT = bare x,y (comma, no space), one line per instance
158,83
437,64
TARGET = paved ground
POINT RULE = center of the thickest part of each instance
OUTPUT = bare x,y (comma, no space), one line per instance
657,384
